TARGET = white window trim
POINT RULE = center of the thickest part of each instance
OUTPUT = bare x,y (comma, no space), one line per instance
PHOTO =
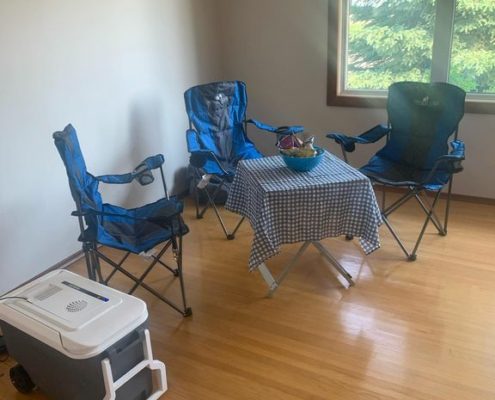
442,45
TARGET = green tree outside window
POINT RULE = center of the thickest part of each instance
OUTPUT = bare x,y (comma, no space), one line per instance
392,40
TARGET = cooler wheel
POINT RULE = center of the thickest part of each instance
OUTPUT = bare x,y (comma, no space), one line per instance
21,380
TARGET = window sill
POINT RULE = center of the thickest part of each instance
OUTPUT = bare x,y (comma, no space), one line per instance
472,106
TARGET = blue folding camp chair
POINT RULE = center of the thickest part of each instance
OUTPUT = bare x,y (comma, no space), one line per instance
422,118
217,140
134,230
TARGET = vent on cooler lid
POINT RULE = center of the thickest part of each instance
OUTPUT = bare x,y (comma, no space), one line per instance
76,306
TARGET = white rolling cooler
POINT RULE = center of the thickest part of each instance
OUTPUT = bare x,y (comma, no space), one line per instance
79,340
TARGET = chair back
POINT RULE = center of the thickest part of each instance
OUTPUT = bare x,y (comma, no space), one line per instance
83,185
217,112
422,117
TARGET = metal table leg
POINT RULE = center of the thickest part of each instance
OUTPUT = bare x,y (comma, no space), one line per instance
274,283
325,253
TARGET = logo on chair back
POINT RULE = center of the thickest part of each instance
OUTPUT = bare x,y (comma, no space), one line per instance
221,98
426,101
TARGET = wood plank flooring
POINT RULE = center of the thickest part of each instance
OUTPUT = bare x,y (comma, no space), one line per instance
422,330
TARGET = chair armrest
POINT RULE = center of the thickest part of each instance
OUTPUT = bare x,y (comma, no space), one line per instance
118,179
103,214
172,210
200,156
348,143
142,173
152,162
458,150
454,158
281,130
452,161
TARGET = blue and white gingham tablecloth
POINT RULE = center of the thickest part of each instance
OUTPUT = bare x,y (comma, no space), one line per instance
285,206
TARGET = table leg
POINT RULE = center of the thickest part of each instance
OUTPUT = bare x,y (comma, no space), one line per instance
274,283
268,277
325,253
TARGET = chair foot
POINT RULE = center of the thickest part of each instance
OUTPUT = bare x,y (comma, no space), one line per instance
412,257
187,312
230,236
199,217
176,272
443,233
349,237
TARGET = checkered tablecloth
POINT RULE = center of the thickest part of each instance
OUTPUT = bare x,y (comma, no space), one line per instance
285,206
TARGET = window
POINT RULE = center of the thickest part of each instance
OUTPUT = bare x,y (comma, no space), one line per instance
373,43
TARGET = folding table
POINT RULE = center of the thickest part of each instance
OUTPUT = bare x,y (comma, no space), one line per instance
285,206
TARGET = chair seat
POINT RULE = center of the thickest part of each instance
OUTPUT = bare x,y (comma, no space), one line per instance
151,227
390,173
229,166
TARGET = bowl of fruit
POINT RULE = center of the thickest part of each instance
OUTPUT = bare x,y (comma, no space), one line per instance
298,155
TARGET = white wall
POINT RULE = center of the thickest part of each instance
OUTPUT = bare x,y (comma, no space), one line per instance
279,48
116,70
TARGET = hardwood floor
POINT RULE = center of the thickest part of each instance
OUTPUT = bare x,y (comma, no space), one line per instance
422,330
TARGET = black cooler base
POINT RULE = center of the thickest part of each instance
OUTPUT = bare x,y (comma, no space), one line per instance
65,378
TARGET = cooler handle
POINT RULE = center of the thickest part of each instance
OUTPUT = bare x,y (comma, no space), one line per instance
111,387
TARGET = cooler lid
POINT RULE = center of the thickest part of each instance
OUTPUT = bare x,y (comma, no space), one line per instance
86,315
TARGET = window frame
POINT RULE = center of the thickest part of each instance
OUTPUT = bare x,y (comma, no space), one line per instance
336,96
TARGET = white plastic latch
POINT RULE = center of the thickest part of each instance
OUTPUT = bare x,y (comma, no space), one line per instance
148,254
205,179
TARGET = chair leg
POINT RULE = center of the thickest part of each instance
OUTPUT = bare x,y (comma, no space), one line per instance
397,239
210,197
396,204
389,210
447,206
96,264
174,271
383,197
232,235
196,202
115,269
344,153
211,203
148,270
89,262
196,194
426,209
142,284
92,262
430,216
187,310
